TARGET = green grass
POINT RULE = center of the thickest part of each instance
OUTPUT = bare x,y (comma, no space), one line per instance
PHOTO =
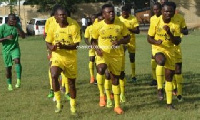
30,102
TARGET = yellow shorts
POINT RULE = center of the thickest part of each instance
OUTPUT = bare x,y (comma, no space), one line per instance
178,55
114,64
92,52
169,54
69,68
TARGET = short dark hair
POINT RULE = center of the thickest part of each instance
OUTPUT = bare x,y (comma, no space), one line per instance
107,5
126,8
11,15
54,9
171,4
158,4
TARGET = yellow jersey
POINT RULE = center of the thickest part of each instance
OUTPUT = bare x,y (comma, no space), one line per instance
131,23
106,33
51,22
68,35
159,33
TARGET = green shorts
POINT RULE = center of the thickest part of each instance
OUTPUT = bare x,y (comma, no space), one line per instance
8,57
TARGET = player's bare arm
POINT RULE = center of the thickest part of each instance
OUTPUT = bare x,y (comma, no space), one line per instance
95,46
174,39
67,47
6,38
51,47
20,32
124,40
151,40
135,30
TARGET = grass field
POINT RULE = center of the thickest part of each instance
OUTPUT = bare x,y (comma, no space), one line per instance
30,102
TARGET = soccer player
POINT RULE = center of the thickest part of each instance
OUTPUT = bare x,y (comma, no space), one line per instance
132,24
157,12
178,78
88,37
107,39
164,35
9,35
63,40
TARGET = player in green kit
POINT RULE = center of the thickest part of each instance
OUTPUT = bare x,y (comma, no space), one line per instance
9,34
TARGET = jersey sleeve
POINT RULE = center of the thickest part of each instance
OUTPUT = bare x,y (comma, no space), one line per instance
95,31
87,33
177,31
183,24
76,35
152,30
1,31
135,22
50,36
125,31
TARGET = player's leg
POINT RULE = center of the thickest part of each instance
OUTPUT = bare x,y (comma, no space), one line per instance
51,93
72,91
18,67
55,73
9,77
91,68
179,80
122,82
160,73
169,87
100,82
116,91
132,60
108,88
66,86
153,69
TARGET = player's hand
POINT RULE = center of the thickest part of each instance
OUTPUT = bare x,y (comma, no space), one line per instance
10,37
59,45
159,42
167,29
115,43
99,52
53,48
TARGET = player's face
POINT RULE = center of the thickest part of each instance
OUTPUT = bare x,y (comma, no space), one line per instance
125,14
12,20
167,12
109,14
61,16
156,10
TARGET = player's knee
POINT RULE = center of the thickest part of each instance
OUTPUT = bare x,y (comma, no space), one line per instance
132,57
107,75
92,58
122,75
178,71
17,61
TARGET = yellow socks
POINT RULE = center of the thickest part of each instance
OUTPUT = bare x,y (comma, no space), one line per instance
57,96
153,67
91,68
179,80
107,88
174,83
65,83
122,86
168,90
50,80
116,91
160,74
72,102
100,83
133,69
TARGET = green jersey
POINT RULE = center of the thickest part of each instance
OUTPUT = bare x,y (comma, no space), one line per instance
6,30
